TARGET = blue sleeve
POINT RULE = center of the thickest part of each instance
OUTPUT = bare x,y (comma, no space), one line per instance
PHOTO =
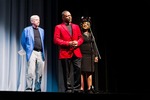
23,40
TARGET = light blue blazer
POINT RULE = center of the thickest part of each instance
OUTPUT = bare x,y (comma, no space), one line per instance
27,41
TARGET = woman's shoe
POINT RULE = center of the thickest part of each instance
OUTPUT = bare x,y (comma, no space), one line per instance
89,91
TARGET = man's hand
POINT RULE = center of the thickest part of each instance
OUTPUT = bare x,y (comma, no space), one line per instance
71,43
75,43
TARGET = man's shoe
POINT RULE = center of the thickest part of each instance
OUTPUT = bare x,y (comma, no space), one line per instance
39,90
28,90
81,91
69,91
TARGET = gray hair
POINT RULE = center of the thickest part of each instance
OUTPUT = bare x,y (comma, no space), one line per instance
33,17
64,12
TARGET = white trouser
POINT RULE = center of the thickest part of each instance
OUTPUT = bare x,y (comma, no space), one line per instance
35,71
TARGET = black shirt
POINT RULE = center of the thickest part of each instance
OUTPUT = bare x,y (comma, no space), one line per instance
37,40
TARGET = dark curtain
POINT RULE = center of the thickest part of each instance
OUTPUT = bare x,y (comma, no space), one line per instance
121,32
15,15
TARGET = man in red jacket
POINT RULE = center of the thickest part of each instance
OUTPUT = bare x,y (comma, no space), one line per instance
69,38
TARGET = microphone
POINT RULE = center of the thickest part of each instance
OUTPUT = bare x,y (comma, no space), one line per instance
82,17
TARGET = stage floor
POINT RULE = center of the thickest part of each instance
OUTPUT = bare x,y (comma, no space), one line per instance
61,95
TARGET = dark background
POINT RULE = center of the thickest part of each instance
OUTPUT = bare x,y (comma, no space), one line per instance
121,30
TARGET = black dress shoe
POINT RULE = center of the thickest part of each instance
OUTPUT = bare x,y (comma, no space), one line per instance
39,90
28,89
78,91
81,91
69,91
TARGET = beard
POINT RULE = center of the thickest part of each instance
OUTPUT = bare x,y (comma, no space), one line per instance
69,20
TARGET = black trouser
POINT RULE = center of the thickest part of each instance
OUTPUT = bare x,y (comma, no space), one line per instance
72,73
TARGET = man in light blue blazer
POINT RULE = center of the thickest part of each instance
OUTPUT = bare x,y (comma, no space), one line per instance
32,41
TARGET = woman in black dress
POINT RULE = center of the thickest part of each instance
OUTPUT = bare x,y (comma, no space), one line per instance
90,56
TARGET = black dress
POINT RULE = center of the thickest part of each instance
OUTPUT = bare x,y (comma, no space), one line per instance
89,52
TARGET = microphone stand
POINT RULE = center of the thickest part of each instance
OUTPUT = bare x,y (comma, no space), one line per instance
93,38
95,43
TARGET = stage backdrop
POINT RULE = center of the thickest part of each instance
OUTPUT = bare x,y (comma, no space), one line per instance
14,16
121,31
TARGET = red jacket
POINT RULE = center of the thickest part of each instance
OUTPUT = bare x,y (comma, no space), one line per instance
62,38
